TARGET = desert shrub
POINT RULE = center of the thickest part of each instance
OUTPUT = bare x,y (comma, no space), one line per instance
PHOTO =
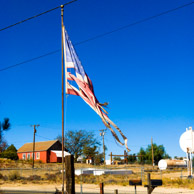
59,176
34,177
14,176
111,181
35,161
5,178
20,161
178,182
88,178
29,161
58,173
38,161
51,177
124,183
3,160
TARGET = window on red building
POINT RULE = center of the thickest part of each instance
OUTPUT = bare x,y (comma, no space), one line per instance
23,156
38,155
28,156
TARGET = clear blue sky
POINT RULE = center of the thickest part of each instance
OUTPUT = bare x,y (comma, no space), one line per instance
145,71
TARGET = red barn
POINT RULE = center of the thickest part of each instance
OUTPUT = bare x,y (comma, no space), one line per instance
47,151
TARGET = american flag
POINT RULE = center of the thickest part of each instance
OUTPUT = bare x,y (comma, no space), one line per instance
83,86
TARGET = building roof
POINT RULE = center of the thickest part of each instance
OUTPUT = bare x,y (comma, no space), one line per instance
39,146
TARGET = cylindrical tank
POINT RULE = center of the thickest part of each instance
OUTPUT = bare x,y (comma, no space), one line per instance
167,163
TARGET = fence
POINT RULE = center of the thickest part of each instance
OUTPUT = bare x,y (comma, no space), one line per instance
88,181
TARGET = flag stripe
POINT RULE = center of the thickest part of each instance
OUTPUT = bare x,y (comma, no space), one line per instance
103,116
85,86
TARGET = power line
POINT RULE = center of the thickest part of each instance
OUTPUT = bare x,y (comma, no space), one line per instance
43,137
108,140
29,60
135,23
100,35
5,28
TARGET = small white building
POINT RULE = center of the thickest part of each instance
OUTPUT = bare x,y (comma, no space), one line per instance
108,162
80,159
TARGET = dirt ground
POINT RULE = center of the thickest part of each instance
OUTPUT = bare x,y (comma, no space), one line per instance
42,169
91,188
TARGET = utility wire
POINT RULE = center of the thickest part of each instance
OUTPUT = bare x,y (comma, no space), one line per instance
43,137
108,140
30,60
100,35
37,15
135,23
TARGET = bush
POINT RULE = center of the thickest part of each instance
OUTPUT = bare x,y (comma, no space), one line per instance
14,176
34,177
9,155
11,148
5,178
51,177
111,181
38,161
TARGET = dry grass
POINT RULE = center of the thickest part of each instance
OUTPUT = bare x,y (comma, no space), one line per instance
22,172
178,183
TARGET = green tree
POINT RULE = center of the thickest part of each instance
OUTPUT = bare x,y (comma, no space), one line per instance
94,153
132,158
10,153
159,153
11,148
4,126
178,158
142,156
117,158
98,158
77,141
90,151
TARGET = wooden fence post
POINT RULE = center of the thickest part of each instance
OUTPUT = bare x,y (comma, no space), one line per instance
116,191
111,158
149,188
69,174
101,188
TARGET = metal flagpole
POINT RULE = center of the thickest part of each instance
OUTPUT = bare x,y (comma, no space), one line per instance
102,134
188,164
191,152
62,69
152,153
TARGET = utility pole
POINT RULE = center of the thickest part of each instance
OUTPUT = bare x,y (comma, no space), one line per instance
102,134
152,153
34,143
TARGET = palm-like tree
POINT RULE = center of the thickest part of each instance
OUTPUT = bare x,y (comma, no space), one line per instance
4,126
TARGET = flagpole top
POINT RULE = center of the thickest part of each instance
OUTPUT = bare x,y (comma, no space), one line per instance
62,6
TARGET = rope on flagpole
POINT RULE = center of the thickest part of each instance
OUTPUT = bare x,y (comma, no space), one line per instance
65,127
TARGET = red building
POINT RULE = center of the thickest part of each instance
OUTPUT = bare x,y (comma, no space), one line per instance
47,151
